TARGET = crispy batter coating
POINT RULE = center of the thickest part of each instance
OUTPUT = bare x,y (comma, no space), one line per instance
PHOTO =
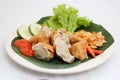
74,39
43,36
79,50
95,39
43,51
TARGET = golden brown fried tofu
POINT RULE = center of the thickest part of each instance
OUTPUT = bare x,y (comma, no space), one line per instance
79,50
43,36
74,39
83,34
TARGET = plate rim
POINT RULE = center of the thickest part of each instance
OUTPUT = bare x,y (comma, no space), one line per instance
78,68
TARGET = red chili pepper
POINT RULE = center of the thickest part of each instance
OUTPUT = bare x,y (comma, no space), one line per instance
97,51
90,51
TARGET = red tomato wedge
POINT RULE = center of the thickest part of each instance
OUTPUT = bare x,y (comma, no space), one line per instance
25,47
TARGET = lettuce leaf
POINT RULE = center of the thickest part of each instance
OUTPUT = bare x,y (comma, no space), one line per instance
66,18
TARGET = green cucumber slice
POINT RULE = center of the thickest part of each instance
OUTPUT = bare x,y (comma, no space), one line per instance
23,32
34,28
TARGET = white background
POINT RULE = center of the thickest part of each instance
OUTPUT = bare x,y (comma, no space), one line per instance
14,13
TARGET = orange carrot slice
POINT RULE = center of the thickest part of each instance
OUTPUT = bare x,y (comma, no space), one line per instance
97,51
90,51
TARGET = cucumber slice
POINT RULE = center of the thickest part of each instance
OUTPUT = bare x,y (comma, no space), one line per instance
34,28
23,32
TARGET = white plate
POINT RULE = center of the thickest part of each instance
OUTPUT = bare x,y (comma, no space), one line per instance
79,68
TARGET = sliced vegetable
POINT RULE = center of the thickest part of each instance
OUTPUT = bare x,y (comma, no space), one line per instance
24,33
90,51
97,51
34,28
25,47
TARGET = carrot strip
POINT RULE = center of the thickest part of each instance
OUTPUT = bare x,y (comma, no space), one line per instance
97,51
90,51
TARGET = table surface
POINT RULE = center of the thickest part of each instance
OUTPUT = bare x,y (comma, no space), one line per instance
14,13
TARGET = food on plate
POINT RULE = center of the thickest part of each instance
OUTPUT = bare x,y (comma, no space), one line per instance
68,46
34,28
43,51
60,35
79,50
42,36
74,39
24,33
95,39
97,51
90,51
25,47
62,45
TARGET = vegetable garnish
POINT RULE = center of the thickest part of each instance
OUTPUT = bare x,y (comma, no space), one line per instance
24,32
25,47
66,18
34,28
97,51
93,52
90,51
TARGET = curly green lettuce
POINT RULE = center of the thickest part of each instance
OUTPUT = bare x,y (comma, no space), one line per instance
66,18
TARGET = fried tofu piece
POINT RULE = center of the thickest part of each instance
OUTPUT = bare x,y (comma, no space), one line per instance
79,50
43,36
43,51
74,39
62,45
52,37
83,34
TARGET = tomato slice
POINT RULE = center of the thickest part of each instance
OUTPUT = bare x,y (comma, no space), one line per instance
25,47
